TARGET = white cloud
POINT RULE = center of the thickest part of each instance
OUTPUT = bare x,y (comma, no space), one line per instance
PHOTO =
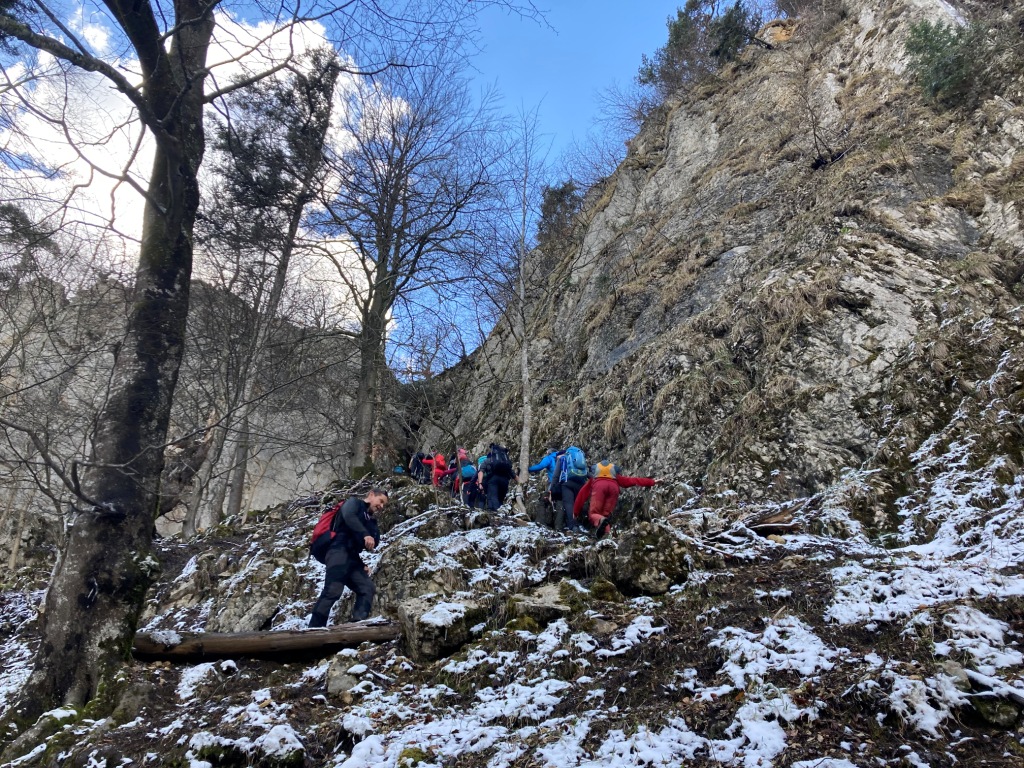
77,155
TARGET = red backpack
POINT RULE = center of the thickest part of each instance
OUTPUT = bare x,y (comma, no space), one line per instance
323,535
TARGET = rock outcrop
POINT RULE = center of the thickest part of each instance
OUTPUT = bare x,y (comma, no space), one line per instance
800,270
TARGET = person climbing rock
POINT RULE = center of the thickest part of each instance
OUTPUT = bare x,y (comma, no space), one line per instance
355,529
417,470
603,491
498,472
438,466
546,508
473,489
547,463
570,475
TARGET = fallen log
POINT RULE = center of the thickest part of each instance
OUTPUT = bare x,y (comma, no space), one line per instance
283,645
779,529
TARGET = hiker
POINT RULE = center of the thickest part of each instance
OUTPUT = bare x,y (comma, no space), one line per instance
473,488
462,468
467,475
603,491
570,475
545,511
498,471
437,467
355,529
417,470
547,463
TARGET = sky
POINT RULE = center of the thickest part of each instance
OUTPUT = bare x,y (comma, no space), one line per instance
585,46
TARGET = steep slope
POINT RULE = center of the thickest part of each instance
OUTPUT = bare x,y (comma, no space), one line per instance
800,269
677,643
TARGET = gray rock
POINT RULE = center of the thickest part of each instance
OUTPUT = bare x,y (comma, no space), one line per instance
543,604
401,574
996,711
434,628
645,560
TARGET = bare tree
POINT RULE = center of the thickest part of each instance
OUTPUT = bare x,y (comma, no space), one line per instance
418,174
270,145
100,580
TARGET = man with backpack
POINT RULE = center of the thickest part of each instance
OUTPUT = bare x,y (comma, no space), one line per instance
546,509
570,475
352,530
498,472
603,491
547,463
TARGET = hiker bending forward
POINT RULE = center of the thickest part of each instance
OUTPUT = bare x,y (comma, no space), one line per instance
603,491
356,530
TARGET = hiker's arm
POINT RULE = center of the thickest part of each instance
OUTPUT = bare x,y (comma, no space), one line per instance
629,482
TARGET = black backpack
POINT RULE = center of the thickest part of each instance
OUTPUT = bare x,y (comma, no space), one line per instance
501,464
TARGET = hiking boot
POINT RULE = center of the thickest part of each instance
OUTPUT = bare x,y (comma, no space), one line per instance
604,528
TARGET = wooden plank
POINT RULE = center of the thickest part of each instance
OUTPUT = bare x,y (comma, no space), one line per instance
281,644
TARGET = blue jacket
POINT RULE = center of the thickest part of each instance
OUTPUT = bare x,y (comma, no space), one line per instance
548,463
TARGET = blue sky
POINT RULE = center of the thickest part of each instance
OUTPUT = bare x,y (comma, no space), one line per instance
592,44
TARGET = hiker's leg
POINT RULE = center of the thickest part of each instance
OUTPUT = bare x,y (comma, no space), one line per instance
359,581
492,489
568,502
558,515
602,501
334,585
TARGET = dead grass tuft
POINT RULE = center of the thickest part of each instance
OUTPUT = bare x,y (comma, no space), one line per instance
615,425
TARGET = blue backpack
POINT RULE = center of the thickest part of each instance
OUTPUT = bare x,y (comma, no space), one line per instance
574,464
468,471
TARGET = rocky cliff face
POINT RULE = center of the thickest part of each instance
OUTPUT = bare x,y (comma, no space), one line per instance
800,270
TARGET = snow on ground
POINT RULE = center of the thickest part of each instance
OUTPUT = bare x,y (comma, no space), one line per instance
19,609
740,666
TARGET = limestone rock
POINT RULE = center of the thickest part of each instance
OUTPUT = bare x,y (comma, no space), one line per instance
434,628
403,573
998,712
645,560
252,601
343,677
543,604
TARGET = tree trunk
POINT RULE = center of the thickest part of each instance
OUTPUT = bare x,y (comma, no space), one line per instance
239,466
283,645
193,520
100,580
19,530
524,349
371,362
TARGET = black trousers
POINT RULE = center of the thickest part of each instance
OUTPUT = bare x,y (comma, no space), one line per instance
344,569
496,488
569,490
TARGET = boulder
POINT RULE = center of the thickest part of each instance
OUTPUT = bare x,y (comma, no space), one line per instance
248,604
409,568
996,711
543,604
645,560
434,628
343,676
442,522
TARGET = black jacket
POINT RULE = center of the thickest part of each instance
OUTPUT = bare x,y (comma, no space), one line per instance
353,523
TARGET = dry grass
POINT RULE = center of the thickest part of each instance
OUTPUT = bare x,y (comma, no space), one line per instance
615,425
969,198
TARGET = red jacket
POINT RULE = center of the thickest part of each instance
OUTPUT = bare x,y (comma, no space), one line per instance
438,465
622,481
